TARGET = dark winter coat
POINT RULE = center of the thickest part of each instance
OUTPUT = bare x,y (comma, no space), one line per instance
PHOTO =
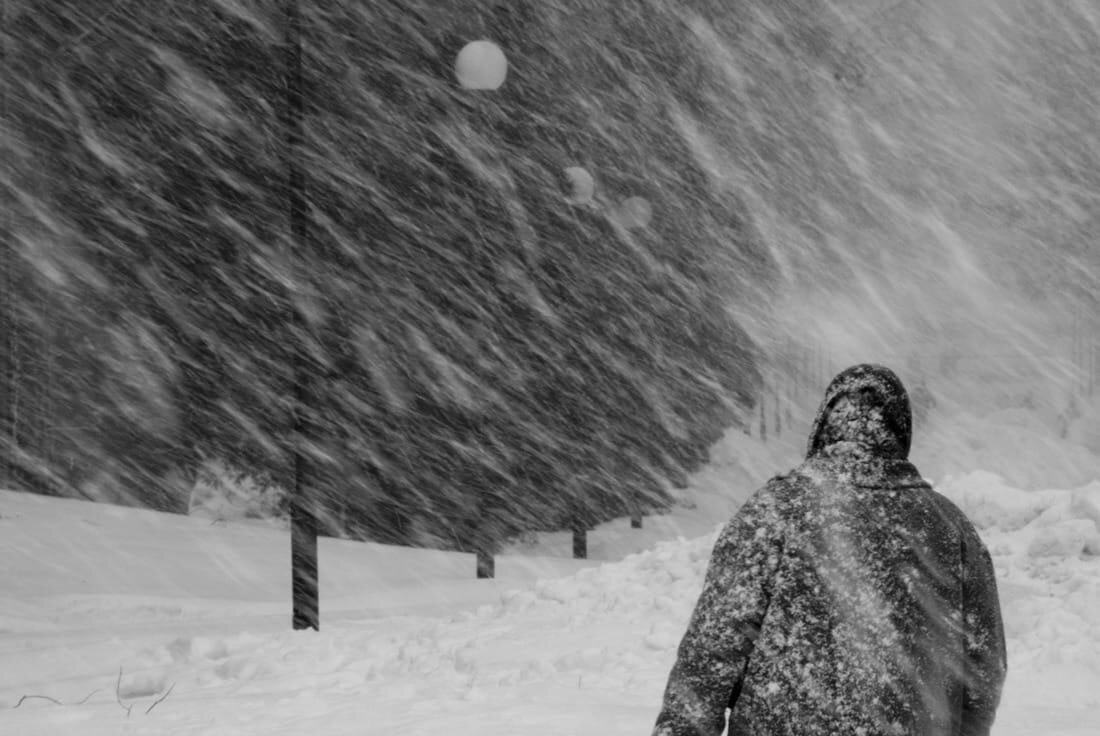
846,597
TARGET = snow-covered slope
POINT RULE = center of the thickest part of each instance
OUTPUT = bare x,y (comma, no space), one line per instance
412,644
1020,444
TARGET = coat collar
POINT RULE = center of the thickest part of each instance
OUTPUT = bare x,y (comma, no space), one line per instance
862,471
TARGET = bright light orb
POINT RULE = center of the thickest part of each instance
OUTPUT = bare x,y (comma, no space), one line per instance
634,212
481,65
581,185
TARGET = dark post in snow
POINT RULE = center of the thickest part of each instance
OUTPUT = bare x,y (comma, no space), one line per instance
580,541
303,519
763,420
778,421
486,565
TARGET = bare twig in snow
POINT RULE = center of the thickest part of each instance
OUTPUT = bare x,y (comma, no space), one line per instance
55,701
162,697
43,697
118,696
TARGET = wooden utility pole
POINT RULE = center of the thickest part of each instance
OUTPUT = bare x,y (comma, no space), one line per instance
303,513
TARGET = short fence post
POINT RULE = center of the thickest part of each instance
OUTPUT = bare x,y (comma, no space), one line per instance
580,542
486,564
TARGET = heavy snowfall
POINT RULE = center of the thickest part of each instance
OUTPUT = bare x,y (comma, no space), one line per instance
108,610
443,282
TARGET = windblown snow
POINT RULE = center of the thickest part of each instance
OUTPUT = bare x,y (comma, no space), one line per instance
116,620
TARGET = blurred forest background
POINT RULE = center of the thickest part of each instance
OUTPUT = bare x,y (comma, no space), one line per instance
467,344
472,354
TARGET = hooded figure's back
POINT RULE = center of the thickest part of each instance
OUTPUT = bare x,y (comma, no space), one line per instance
846,597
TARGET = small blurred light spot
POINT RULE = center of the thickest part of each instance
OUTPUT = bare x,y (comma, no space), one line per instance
580,185
481,65
634,212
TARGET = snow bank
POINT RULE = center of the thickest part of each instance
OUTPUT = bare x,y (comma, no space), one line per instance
1018,444
1046,549
83,559
1052,522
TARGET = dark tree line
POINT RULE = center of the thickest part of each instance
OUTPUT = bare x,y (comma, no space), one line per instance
482,356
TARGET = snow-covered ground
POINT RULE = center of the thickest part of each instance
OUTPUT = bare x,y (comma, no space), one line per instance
411,643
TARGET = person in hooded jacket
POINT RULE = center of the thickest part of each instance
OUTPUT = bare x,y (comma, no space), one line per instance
845,597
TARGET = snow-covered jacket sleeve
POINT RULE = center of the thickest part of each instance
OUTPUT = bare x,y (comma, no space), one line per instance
714,652
986,660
